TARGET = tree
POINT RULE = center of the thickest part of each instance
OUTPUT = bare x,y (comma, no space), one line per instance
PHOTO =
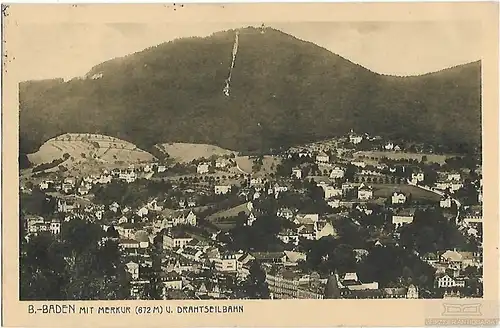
350,172
407,275
332,290
430,176
256,286
343,258
112,233
42,269
38,203
425,241
79,266
473,288
406,236
155,290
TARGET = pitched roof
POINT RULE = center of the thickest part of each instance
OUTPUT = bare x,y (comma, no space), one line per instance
295,256
178,234
267,255
245,257
141,236
452,255
405,212
304,220
350,276
364,187
467,255
131,263
128,241
306,228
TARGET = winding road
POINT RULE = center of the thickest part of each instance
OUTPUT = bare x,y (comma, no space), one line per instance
440,194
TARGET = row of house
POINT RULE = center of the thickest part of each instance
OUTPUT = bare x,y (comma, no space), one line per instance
37,224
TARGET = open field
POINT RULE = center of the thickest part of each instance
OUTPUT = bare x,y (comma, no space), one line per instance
435,158
233,211
245,164
82,147
224,220
225,225
186,152
386,190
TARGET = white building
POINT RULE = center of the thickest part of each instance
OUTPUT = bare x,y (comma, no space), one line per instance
285,213
456,186
67,185
322,158
297,173
55,227
278,188
398,198
402,219
337,173
133,269
143,211
45,185
221,163
226,263
445,202
330,191
334,203
105,179
289,238
256,182
365,192
186,219
176,240
202,168
454,177
355,139
222,190
473,218
449,282
128,176
251,219
417,177
359,164
412,292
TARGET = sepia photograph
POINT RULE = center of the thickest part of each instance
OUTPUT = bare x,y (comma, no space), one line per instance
252,159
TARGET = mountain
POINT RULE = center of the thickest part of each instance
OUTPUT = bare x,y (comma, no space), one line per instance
284,91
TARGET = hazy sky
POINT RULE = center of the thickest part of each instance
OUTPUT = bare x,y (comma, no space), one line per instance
399,48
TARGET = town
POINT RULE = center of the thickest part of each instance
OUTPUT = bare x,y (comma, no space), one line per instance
356,217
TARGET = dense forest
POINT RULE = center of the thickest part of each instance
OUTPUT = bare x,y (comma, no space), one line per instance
284,91
79,264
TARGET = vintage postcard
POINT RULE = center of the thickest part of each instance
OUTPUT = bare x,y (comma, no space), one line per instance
250,165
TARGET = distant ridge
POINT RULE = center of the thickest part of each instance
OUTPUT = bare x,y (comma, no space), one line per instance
284,91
